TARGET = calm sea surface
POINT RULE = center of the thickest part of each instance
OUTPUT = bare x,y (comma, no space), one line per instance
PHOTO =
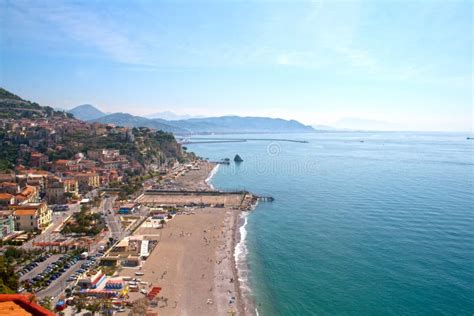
362,223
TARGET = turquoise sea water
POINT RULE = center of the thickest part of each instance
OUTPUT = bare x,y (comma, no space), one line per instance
362,223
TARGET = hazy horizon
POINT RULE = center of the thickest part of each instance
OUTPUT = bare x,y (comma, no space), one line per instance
408,64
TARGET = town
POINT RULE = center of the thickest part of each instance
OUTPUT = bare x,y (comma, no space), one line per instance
104,218
67,205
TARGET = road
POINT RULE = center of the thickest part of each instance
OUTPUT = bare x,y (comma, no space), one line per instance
57,287
49,235
116,230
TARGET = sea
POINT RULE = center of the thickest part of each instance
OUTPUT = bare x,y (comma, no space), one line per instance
362,223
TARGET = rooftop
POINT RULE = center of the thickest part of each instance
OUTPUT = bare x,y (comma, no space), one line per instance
24,212
19,305
5,196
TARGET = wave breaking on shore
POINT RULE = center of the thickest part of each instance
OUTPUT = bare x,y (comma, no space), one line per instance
241,263
211,175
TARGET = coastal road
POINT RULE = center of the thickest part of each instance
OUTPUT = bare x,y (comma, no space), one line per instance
112,220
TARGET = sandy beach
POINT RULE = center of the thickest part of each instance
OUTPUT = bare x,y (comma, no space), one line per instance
193,261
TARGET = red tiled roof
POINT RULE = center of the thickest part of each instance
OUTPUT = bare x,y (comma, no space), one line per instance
25,212
8,184
22,306
5,196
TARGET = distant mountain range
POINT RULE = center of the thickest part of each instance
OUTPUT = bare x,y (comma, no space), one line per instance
224,124
170,116
86,112
125,119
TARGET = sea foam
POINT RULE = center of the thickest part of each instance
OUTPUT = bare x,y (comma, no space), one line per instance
211,175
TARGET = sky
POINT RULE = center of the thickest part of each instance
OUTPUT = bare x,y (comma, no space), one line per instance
406,63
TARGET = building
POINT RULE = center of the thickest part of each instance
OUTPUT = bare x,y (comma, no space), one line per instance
88,180
38,160
103,154
9,187
6,199
7,224
55,192
91,281
62,165
29,194
32,217
72,186
127,208
21,305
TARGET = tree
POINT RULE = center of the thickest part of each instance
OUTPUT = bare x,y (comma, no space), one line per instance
47,303
162,223
8,277
94,306
80,303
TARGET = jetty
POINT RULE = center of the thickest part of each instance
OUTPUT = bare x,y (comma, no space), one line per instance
221,162
266,198
240,199
206,140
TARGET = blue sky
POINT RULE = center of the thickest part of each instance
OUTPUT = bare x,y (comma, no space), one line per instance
404,62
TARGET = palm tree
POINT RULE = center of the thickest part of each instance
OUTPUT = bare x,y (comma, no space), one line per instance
163,223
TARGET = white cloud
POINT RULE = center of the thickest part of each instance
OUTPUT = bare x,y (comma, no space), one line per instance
85,27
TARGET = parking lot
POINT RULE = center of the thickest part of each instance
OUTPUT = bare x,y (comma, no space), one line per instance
68,278
48,275
39,268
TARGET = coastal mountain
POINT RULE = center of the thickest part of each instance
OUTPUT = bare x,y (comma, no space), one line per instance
125,119
224,124
14,107
86,112
144,146
170,116
177,124
238,124
325,128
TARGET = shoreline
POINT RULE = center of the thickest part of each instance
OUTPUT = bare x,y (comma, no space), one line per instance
244,304
194,261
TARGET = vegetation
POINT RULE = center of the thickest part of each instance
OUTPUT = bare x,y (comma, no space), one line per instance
162,223
47,303
12,106
8,277
144,145
84,223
